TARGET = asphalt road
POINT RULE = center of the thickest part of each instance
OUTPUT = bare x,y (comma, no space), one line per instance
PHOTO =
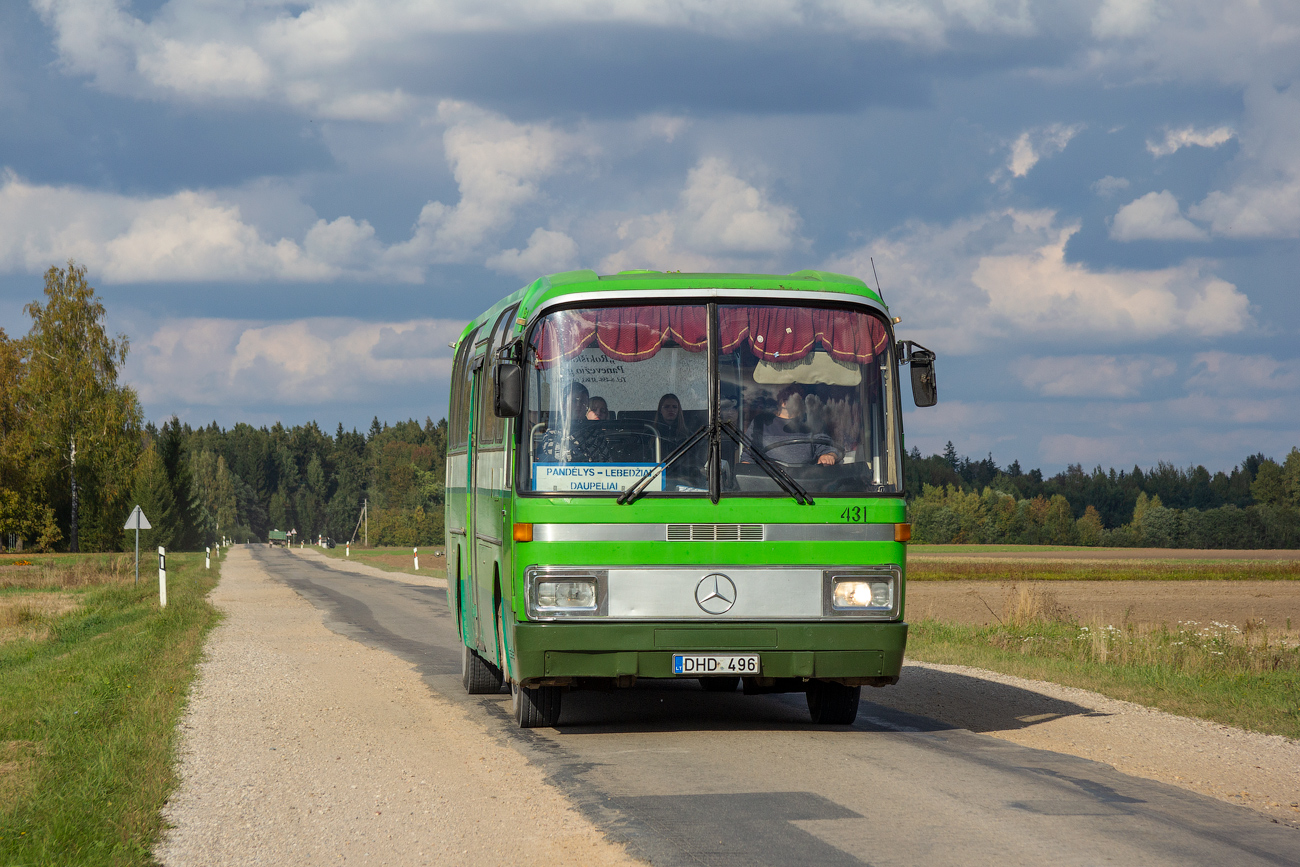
687,777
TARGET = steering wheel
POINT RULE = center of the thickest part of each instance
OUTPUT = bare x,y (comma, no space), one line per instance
811,439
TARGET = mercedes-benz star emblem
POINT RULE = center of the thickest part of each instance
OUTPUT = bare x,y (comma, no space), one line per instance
715,594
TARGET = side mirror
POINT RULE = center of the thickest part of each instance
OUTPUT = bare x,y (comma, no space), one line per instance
509,390
925,391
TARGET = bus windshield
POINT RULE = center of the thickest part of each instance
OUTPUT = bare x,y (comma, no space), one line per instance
612,391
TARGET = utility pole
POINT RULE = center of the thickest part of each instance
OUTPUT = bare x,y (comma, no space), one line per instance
365,511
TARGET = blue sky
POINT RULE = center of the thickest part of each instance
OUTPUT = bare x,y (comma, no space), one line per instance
1090,210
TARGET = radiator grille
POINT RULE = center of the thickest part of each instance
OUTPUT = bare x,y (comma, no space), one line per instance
715,532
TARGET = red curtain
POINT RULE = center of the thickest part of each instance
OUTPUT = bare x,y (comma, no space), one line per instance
634,333
773,333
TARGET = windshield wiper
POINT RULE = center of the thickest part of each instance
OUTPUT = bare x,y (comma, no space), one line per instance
638,487
766,464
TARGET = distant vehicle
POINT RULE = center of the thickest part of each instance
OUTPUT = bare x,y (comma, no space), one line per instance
680,476
277,538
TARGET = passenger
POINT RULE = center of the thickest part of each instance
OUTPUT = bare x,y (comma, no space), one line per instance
598,410
784,436
669,419
671,423
574,439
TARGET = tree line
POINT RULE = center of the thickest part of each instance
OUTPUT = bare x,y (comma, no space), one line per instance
76,455
956,499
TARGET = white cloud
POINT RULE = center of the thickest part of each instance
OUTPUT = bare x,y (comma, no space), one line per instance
1110,185
1231,374
1005,274
1176,139
319,55
497,165
186,236
1124,19
721,221
1154,217
213,362
1037,144
1264,199
1236,42
203,235
1091,375
547,252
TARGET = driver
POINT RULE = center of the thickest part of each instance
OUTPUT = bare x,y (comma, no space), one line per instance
574,439
786,438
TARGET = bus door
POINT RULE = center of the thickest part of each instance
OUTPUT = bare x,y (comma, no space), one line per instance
460,538
472,559
488,494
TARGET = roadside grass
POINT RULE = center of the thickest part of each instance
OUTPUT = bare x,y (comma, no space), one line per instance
91,689
395,559
1215,671
1109,570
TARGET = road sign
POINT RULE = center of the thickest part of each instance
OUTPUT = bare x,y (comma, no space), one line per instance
137,520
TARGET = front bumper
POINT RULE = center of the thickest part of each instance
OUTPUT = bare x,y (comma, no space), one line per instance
558,652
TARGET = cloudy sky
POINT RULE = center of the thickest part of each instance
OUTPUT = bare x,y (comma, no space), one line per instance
1090,209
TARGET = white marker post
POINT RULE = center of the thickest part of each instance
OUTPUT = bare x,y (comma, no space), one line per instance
347,549
137,521
207,557
417,559
162,577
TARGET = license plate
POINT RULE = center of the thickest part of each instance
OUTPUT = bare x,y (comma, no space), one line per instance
703,664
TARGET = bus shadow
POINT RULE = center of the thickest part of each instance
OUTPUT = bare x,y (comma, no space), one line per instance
924,700
967,702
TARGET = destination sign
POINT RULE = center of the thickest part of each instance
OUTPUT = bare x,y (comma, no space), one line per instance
569,478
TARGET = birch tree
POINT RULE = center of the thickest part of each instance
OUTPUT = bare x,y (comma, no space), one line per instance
84,427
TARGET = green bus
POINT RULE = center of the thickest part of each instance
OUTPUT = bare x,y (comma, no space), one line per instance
668,475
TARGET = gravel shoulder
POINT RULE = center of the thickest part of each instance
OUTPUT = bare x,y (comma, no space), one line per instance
300,746
1241,767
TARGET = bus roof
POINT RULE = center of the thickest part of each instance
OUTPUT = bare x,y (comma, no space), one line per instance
552,286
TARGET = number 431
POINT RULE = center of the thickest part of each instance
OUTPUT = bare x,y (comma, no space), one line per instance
854,515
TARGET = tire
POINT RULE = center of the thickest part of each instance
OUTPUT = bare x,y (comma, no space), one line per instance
479,677
719,684
833,704
535,708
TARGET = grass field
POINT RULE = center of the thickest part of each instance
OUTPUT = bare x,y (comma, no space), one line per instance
93,679
1243,674
1213,671
956,568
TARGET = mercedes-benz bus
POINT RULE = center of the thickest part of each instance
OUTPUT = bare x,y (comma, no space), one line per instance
667,475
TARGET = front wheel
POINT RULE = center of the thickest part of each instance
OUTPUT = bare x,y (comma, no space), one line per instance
538,707
833,704
479,677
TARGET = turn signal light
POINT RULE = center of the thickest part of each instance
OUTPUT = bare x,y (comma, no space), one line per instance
523,532
902,532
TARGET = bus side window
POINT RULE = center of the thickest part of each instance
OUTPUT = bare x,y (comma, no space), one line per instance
490,428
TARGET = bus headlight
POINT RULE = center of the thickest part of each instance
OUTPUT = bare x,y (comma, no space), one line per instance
873,594
566,595
863,594
555,592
